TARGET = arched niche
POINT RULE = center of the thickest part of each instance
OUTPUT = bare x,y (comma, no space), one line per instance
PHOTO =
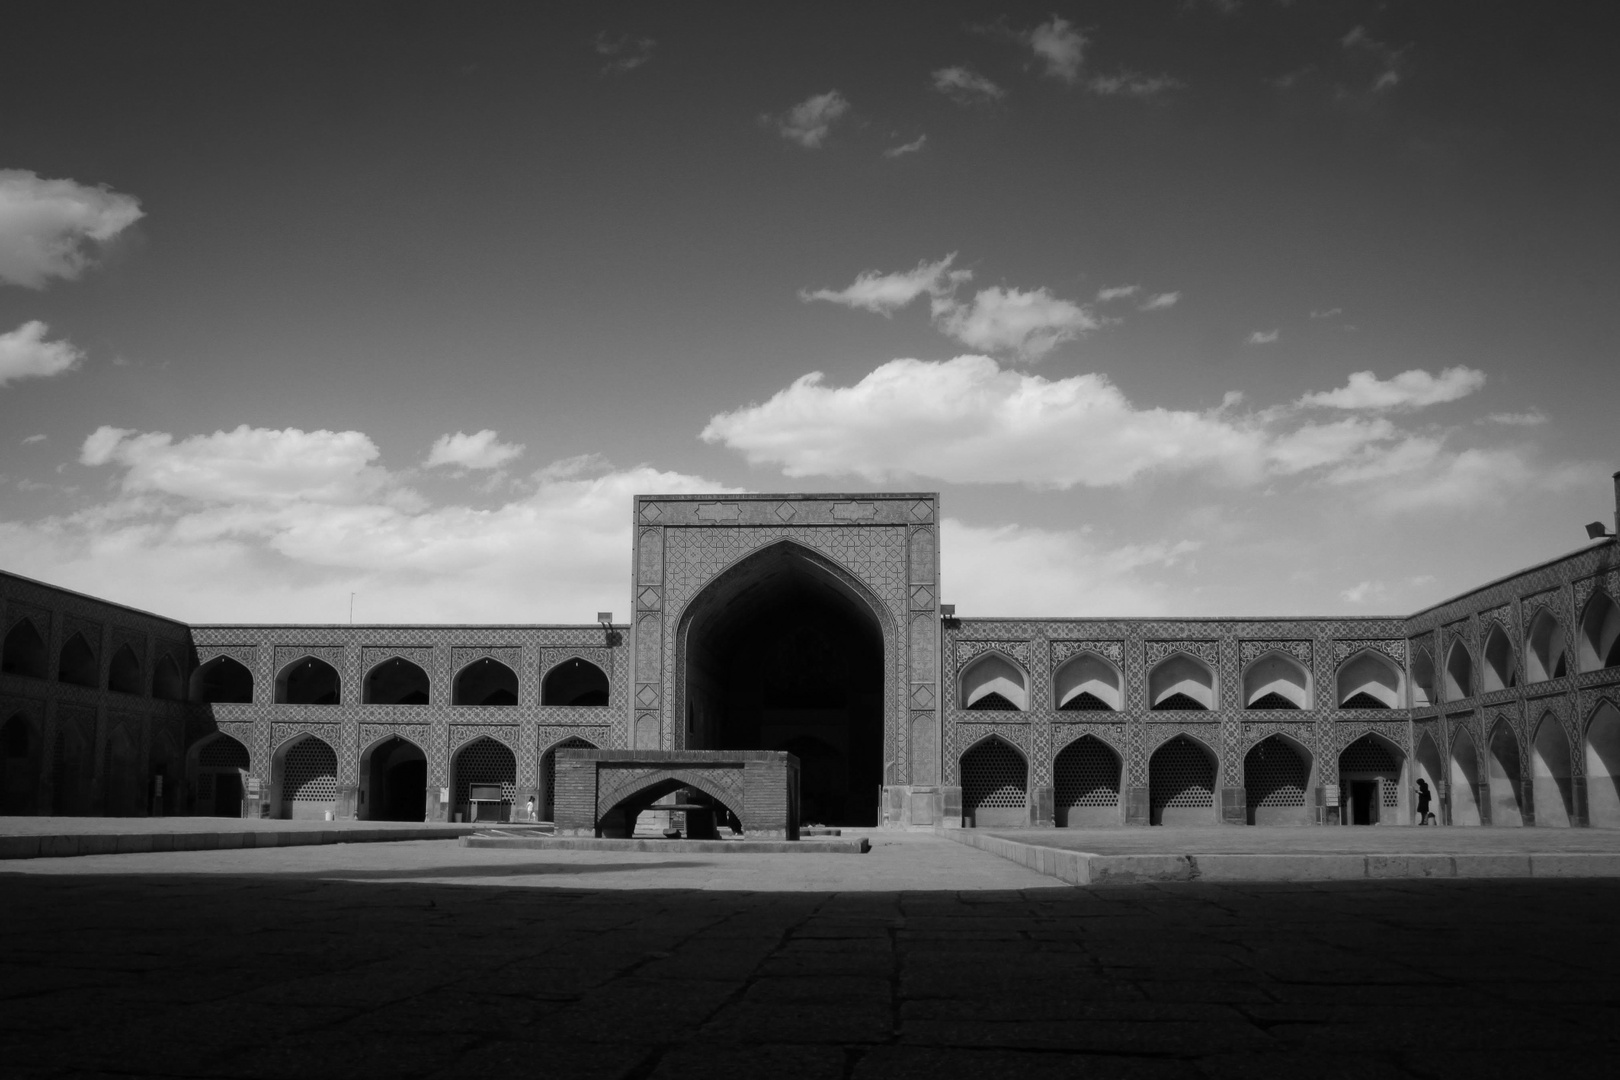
1464,780
1553,791
1459,672
308,680
1368,680
995,785
574,681
1503,773
1545,652
167,685
1497,672
76,665
1371,791
490,767
1088,682
1180,681
1423,683
216,767
1086,782
393,780
395,681
1277,781
304,779
124,672
1603,767
20,764
24,650
1181,783
485,681
1600,633
1431,772
222,681
994,681
1275,680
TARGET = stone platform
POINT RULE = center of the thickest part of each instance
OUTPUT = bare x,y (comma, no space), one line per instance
59,837
823,846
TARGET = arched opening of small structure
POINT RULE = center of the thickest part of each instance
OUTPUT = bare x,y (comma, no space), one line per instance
1181,783
995,785
993,682
485,681
1600,633
1181,682
218,768
1603,768
574,682
166,682
1086,776
1432,773
1276,778
1497,672
124,672
484,781
1370,787
222,681
784,646
702,816
1276,680
393,781
1459,672
1464,780
1087,682
1546,653
308,681
1504,775
77,663
1553,793
548,775
19,766
304,777
396,681
1368,680
24,651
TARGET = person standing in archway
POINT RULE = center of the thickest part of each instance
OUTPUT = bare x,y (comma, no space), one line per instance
1424,817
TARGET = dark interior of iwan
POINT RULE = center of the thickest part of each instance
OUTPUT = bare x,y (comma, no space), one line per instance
781,655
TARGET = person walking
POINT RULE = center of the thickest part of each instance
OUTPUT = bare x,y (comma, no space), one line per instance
1424,817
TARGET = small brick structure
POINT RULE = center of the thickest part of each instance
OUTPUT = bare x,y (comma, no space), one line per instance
600,792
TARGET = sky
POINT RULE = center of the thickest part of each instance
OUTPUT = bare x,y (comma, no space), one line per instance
1184,308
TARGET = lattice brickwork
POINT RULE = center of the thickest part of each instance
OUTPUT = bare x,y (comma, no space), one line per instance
1275,775
223,753
1181,774
486,762
309,773
993,775
1087,774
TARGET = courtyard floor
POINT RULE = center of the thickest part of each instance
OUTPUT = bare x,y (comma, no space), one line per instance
923,958
1320,840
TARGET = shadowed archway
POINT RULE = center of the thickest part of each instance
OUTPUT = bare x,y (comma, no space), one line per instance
782,652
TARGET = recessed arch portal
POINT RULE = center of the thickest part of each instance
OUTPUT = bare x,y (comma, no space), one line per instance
1086,788
1497,672
784,649
1553,791
76,665
216,767
19,765
1088,682
124,672
1181,783
994,682
491,768
393,781
308,681
1603,767
575,681
1276,778
485,681
1275,680
1459,673
396,681
1504,776
1423,684
1600,633
1368,680
1181,682
1545,653
304,777
24,650
222,681
1464,780
1370,787
166,682
995,785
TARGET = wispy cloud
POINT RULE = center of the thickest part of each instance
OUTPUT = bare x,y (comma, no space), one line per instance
906,148
1117,292
625,52
1160,301
49,228
1386,58
1413,389
965,86
1263,337
1131,84
810,121
34,439
1327,313
885,294
1530,418
481,450
1059,47
25,354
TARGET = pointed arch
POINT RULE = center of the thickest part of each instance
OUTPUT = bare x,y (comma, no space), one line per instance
1423,681
1504,775
1088,681
76,663
124,672
1431,772
1552,789
485,681
1545,653
24,650
1497,673
618,817
304,778
1370,781
20,763
395,681
1602,751
1600,633
574,681
309,680
393,780
1464,779
994,681
491,767
223,680
167,685
1086,783
1276,780
1276,680
215,767
995,784
1367,679
1459,673
1181,681
1181,783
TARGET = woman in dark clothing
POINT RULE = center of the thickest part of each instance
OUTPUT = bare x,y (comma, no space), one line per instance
1423,802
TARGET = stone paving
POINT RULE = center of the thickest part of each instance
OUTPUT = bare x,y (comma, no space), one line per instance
923,958
1274,840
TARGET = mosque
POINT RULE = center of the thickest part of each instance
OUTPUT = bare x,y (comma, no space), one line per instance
814,624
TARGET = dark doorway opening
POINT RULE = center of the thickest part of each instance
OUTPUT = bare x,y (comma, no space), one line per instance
1364,802
782,654
398,782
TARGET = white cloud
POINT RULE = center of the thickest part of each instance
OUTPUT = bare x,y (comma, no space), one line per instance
1263,337
1363,591
1130,84
626,53
888,293
34,439
48,226
1466,479
1117,292
810,121
906,148
965,86
1408,390
1059,46
482,450
1530,418
1029,322
25,354
1160,301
